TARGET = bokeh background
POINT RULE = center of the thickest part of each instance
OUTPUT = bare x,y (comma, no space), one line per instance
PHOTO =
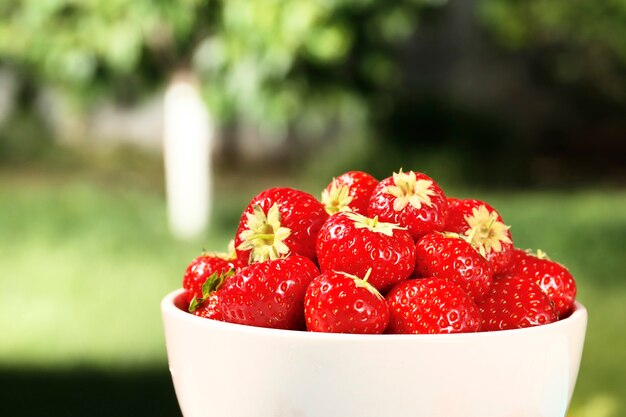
522,104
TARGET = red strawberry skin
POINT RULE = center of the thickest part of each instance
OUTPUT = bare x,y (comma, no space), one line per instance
459,220
459,208
419,218
553,278
343,246
200,269
439,255
515,302
431,305
299,212
356,196
268,294
210,308
336,303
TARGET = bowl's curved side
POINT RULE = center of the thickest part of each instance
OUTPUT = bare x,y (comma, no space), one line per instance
577,330
226,370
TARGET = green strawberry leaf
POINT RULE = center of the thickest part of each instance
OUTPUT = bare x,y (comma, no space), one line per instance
193,305
214,281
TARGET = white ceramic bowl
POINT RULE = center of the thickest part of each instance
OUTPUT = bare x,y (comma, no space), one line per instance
229,370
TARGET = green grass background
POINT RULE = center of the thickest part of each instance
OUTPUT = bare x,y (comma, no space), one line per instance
85,262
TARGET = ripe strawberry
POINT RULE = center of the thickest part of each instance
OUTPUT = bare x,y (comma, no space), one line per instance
553,278
349,192
514,302
336,302
202,268
207,305
412,200
353,243
451,257
279,222
269,294
210,308
484,228
431,305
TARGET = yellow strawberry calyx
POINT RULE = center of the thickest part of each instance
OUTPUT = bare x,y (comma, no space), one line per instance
264,235
409,190
486,232
453,235
337,198
373,225
362,282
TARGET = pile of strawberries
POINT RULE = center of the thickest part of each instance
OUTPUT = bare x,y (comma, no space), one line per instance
395,256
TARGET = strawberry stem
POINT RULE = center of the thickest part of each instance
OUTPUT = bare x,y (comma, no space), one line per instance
367,275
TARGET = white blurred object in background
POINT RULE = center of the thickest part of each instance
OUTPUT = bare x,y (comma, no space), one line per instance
188,135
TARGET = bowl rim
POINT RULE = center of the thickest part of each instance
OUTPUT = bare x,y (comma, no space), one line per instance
170,309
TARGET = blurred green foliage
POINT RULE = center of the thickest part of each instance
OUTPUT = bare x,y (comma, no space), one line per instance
581,41
296,62
79,44
260,61
310,74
